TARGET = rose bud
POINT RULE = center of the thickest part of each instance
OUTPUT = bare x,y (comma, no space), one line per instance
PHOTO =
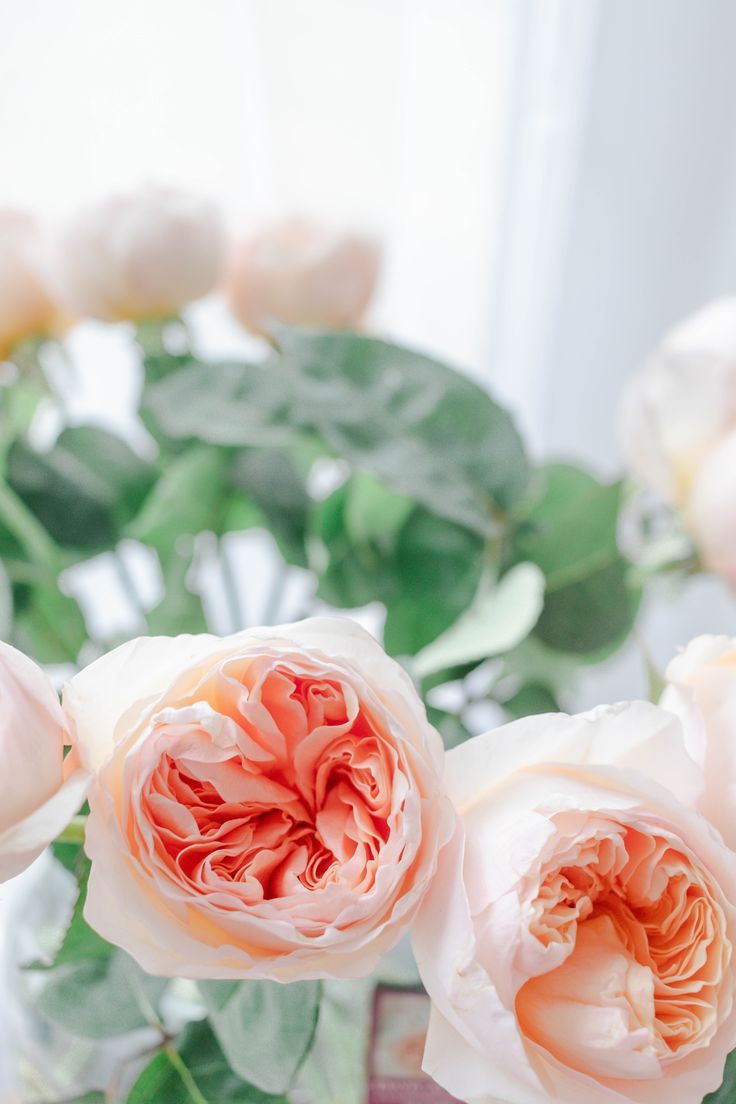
41,788
141,255
267,805
578,939
303,274
26,306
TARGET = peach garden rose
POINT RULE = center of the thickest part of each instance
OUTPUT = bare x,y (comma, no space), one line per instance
26,305
40,788
267,805
139,255
302,273
578,939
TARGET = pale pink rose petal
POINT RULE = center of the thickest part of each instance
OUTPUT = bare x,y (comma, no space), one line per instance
42,789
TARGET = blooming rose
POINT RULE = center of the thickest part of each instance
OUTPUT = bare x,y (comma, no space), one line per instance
682,402
268,804
302,273
577,941
41,789
139,255
26,307
702,692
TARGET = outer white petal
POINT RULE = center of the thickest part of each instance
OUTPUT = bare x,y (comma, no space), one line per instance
24,841
702,692
470,1016
96,698
32,736
635,735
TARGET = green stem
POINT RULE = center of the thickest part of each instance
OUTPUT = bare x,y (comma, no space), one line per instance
187,1080
16,516
74,831
656,682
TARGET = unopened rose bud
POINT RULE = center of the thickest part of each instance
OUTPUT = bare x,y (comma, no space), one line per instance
140,255
26,306
304,274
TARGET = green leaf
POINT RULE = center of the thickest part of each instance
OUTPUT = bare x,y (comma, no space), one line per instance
501,615
273,480
48,624
222,404
592,617
530,699
334,1071
99,997
80,941
207,1075
571,534
727,1092
180,610
422,428
189,498
437,569
84,489
372,510
88,1098
350,574
265,1029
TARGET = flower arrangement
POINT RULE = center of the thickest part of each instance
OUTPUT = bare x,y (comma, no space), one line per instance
248,825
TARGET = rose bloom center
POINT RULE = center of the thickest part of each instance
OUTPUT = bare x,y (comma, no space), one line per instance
262,792
635,920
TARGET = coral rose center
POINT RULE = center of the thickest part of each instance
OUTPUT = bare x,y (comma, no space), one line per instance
279,788
638,941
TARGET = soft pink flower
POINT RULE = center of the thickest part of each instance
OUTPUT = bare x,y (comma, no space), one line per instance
41,788
304,274
577,941
139,255
26,306
267,805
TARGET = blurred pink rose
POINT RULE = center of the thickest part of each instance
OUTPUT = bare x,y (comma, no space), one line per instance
577,941
682,402
26,307
268,804
303,274
702,692
41,789
139,255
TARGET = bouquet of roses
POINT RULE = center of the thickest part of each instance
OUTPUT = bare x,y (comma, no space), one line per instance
246,825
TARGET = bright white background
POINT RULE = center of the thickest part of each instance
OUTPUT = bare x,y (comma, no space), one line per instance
553,180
